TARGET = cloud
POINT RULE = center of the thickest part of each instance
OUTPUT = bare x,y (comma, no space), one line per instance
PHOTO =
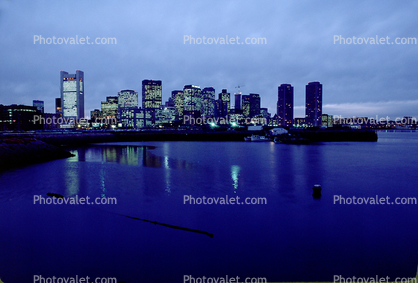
150,35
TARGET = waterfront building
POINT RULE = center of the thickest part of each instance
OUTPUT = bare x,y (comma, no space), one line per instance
19,118
313,107
327,120
285,105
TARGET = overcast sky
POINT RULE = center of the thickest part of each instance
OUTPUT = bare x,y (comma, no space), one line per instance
358,79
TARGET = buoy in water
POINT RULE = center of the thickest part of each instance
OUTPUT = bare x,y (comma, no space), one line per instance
316,191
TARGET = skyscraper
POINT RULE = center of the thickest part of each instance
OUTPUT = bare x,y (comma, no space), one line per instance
72,94
285,105
192,98
313,107
127,98
255,102
208,102
246,105
178,97
237,101
226,97
151,94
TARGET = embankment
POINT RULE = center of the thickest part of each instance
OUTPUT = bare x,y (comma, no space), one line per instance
16,152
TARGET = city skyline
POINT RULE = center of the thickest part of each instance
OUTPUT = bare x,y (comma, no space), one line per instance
133,100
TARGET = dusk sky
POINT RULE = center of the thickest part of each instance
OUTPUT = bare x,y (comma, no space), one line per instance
358,79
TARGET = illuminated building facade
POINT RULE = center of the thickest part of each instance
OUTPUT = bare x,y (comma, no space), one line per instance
246,105
192,98
110,107
165,115
151,94
178,97
226,97
127,98
72,94
208,102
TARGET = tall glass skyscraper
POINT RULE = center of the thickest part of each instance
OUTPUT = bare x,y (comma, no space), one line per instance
285,105
151,94
208,102
72,94
313,107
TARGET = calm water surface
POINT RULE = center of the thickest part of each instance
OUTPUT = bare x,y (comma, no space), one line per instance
291,238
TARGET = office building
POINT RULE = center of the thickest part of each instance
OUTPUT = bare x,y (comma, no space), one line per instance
178,97
127,116
246,105
20,118
127,98
72,94
110,107
328,120
165,115
226,97
208,102
218,108
192,98
285,105
313,107
144,118
151,94
255,102
237,105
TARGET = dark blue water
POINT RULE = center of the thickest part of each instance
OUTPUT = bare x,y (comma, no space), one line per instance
292,238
